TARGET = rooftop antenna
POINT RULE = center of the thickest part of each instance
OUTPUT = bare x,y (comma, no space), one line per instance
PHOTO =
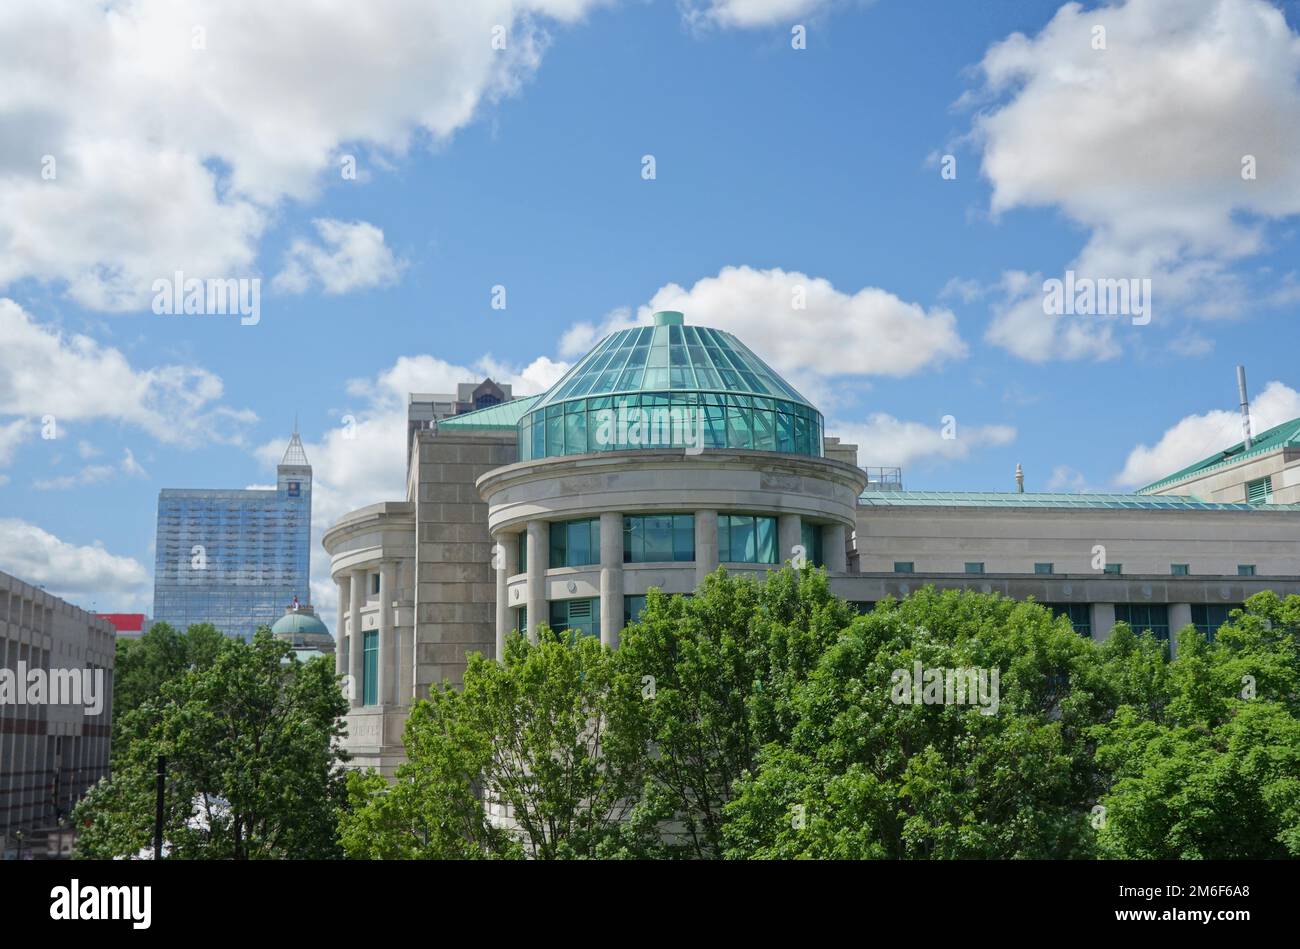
1245,407
1020,479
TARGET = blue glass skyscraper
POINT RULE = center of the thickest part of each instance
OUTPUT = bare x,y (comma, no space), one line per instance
235,559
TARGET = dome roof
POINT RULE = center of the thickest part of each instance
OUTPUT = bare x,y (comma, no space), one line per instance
669,385
669,356
297,623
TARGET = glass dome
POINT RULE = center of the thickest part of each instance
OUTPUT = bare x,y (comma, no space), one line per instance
669,385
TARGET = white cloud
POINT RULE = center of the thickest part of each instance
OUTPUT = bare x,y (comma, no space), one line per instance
1070,480
69,570
197,148
836,334
75,378
12,434
748,13
1021,327
1199,436
92,474
888,441
86,450
353,257
1142,145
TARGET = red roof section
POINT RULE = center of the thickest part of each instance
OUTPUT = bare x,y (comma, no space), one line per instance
125,622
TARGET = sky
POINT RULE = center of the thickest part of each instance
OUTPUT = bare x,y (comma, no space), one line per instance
872,195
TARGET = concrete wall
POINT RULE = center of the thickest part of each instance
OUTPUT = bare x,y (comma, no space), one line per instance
1229,483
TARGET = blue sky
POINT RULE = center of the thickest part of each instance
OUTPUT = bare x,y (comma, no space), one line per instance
775,168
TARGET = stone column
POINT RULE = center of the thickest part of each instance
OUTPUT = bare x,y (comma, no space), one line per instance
356,658
1180,615
387,641
833,551
788,533
1103,619
539,555
340,629
706,544
506,564
611,578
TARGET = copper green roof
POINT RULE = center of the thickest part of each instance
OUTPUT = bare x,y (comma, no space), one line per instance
670,356
1012,499
503,417
1286,435
299,622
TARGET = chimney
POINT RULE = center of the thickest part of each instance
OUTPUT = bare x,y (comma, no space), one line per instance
1020,479
1245,406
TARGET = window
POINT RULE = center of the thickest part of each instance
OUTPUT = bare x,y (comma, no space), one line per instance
370,667
374,584
658,538
863,606
744,538
1115,568
904,566
1153,617
1043,568
1208,617
1245,569
973,567
575,543
811,538
523,551
1179,569
633,607
1079,614
521,621
576,616
1259,491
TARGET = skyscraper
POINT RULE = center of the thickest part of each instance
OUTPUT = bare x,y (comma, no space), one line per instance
234,558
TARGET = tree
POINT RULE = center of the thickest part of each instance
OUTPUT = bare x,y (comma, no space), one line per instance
1214,771
531,738
253,765
707,681
870,772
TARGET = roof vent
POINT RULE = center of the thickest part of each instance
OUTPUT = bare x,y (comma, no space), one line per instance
669,318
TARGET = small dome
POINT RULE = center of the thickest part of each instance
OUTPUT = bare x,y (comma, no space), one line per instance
299,622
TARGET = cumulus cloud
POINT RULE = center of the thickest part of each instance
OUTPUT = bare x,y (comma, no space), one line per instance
1142,144
802,326
351,256
748,13
888,441
73,571
44,371
1198,436
196,120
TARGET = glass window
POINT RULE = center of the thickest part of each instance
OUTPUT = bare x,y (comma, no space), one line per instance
523,551
370,667
1141,616
633,607
656,538
577,616
811,539
1115,568
974,567
1080,616
1259,491
575,543
744,538
374,584
521,621
904,566
1208,617
1179,569
1245,569
1043,568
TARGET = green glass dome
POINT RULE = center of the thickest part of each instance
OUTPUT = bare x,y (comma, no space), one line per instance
670,385
297,623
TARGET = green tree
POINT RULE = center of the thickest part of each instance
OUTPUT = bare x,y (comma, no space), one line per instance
253,765
530,737
869,773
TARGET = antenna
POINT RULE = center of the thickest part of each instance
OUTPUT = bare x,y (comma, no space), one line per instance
1245,406
1020,479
